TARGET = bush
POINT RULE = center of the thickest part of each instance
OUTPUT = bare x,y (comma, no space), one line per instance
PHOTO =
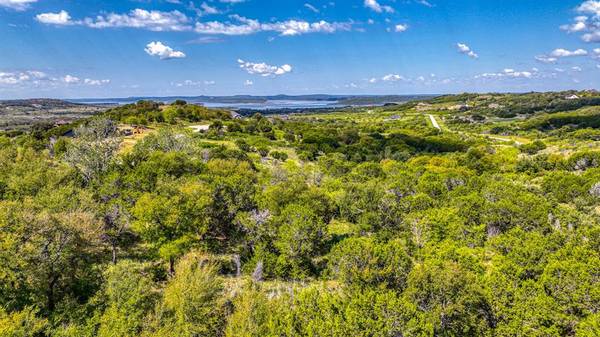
366,262
282,156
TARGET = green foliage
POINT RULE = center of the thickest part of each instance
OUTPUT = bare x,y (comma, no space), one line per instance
533,148
192,304
22,324
282,156
129,295
360,222
365,262
301,236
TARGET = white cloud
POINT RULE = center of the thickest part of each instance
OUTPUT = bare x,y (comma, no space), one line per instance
464,49
60,18
593,36
590,6
205,9
15,78
37,79
248,83
587,24
264,69
509,73
190,83
245,26
311,8
576,68
18,5
393,78
560,52
400,28
596,53
164,52
69,79
176,21
546,59
138,18
89,81
580,24
376,7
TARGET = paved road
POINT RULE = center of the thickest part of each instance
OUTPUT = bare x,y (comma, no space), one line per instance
435,123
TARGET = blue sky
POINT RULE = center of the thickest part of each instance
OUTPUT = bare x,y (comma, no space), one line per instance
93,48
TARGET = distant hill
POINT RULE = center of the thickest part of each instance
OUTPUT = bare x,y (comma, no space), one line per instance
22,114
243,99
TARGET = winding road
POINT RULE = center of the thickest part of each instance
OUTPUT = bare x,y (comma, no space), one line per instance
434,122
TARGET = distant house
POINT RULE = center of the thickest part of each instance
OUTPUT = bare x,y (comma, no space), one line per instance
235,115
460,107
200,128
572,97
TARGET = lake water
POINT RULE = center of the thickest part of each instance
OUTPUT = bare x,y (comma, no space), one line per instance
272,105
267,105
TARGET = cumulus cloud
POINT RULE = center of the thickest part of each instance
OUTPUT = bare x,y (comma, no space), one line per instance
587,24
248,83
60,18
245,26
560,52
164,52
400,28
465,49
590,7
264,69
176,21
138,18
69,79
509,73
18,5
35,78
15,78
579,24
376,7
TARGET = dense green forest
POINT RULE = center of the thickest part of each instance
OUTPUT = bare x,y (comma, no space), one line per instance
360,222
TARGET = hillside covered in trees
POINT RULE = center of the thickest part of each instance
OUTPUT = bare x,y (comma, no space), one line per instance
463,215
